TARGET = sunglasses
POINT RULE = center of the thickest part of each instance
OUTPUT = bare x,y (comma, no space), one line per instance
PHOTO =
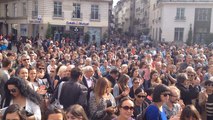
209,85
191,75
12,90
166,94
25,59
141,96
41,68
127,108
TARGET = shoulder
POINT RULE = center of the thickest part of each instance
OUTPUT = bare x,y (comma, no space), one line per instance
152,109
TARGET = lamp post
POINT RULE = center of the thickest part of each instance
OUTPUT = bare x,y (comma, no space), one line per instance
76,31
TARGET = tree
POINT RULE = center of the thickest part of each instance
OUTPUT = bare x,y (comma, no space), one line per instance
189,41
49,31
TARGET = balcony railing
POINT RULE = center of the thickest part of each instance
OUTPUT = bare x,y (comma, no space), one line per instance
34,14
77,17
180,18
95,18
58,15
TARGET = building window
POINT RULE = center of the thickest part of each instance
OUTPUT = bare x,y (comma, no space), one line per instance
179,34
180,14
57,9
35,9
15,9
24,9
202,14
95,12
77,10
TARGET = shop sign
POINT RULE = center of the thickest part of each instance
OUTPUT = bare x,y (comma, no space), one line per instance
35,21
77,23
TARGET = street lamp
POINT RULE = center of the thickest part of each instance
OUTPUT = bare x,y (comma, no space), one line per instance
76,31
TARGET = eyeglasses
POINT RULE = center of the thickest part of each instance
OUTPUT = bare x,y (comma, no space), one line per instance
12,90
127,108
41,68
136,82
209,85
141,96
166,94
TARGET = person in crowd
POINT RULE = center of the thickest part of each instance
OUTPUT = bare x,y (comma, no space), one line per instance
76,112
14,112
4,74
121,88
105,68
113,76
102,103
172,107
125,109
136,84
61,73
25,61
18,92
206,100
51,65
190,113
73,92
23,73
209,73
55,114
133,74
187,93
154,78
32,78
139,101
155,111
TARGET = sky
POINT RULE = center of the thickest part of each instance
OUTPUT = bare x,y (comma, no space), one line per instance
115,2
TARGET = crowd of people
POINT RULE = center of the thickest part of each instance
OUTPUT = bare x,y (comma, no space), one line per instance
60,80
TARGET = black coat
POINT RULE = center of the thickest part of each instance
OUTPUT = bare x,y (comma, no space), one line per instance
72,93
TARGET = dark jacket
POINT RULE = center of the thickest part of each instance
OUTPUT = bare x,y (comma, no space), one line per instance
187,94
72,93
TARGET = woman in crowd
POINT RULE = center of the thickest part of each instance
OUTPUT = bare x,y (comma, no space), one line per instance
18,92
155,110
121,88
190,113
76,112
155,78
102,103
14,112
139,101
61,72
133,74
23,73
32,78
136,84
125,109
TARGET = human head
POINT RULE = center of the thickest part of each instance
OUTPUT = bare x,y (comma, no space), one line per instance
13,112
209,86
88,71
76,112
23,73
174,94
190,113
55,114
123,79
32,74
136,82
6,63
182,78
161,93
154,74
76,74
62,71
15,86
25,60
140,95
126,107
102,86
114,73
68,70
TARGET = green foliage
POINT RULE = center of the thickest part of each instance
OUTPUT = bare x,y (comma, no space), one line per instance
49,31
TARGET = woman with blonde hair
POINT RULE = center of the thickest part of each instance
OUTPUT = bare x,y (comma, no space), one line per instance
76,112
102,103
